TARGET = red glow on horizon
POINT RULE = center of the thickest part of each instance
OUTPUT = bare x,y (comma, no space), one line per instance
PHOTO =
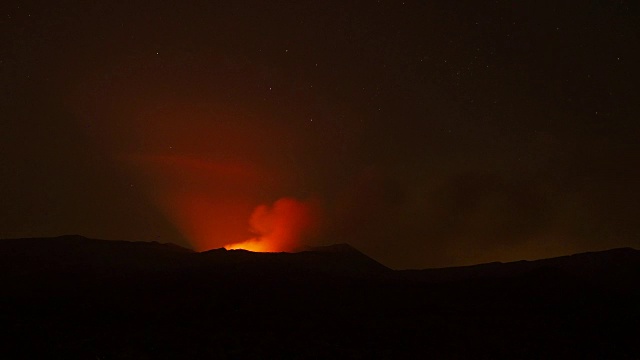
207,224
205,199
280,227
210,203
206,175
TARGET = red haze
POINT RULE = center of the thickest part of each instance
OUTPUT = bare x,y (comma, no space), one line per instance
210,203
282,226
207,174
207,200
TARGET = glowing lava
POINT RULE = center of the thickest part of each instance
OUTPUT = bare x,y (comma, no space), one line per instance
282,226
253,245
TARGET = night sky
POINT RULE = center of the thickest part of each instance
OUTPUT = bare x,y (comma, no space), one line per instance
424,133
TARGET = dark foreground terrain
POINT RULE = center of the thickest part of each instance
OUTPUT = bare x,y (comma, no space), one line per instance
71,297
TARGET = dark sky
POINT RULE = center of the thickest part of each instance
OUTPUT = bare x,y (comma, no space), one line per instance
425,133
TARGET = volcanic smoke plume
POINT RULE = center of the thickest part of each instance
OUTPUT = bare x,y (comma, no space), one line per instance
281,226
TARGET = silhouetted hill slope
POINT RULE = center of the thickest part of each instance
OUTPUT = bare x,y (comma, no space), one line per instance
77,298
334,248
73,253
83,257
336,260
619,266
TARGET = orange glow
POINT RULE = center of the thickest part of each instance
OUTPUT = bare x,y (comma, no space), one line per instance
280,227
205,222
253,245
210,201
206,175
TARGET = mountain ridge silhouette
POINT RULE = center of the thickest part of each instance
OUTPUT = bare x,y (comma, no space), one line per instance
68,250
84,298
